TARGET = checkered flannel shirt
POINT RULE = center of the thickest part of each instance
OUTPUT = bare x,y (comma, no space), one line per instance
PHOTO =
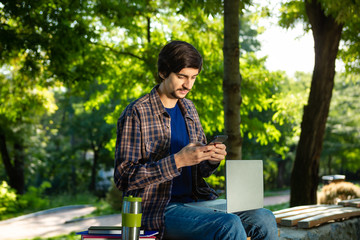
143,166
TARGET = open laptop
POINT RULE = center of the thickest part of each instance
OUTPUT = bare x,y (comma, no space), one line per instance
244,187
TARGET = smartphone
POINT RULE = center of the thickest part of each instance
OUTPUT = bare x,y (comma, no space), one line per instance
218,139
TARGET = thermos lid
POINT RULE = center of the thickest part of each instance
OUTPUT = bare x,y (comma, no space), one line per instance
132,199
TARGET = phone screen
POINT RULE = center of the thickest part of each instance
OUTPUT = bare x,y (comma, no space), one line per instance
218,139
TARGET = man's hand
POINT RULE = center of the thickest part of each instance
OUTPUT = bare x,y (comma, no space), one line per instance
195,153
219,153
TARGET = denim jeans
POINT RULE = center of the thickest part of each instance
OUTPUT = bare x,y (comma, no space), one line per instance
195,222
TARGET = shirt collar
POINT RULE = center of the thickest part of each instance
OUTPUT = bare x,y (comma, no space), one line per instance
156,104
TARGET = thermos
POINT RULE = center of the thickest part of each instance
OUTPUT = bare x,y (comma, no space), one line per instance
131,218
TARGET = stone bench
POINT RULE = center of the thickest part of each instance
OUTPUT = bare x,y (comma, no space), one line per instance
340,221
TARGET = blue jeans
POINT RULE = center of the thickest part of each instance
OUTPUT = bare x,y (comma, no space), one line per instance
195,222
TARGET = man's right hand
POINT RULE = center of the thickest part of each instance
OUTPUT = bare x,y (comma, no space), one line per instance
192,154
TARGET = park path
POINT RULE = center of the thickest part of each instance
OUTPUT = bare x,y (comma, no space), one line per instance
53,222
60,221
283,197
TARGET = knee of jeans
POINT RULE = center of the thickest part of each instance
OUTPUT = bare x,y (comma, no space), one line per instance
230,221
230,227
266,215
267,222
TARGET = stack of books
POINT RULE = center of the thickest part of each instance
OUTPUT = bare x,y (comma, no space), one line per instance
111,233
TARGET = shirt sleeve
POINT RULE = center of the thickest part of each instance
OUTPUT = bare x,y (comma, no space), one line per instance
132,169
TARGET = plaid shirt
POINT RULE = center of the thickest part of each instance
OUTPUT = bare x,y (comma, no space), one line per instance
143,166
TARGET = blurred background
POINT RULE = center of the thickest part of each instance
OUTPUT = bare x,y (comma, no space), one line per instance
69,68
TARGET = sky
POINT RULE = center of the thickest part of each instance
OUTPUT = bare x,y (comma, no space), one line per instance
289,50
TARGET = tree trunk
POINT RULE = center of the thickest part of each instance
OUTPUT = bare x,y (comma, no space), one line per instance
15,170
232,78
94,170
327,34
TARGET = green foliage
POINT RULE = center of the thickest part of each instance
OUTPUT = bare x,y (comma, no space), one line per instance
277,207
68,69
104,208
344,12
270,174
292,12
72,199
114,198
35,197
114,53
71,236
7,199
341,142
11,203
216,182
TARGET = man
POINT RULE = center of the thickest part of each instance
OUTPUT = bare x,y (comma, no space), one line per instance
161,157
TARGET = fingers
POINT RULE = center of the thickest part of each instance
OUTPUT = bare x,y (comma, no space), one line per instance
219,152
217,157
194,153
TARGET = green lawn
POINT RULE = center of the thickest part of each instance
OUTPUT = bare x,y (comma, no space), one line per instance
71,236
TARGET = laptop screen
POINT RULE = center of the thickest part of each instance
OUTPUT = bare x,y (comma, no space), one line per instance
244,185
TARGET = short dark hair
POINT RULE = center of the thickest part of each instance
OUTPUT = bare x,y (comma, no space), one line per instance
177,55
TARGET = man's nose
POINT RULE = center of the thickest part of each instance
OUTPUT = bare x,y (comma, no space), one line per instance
188,83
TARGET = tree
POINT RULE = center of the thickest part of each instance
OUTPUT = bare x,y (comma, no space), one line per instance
341,142
22,103
40,42
65,45
327,21
91,132
232,78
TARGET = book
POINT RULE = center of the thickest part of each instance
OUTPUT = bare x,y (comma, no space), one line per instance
92,237
107,230
85,235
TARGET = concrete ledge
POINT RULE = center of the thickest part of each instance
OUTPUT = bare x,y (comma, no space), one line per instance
344,230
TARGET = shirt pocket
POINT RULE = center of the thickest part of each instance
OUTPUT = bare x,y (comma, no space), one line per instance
156,150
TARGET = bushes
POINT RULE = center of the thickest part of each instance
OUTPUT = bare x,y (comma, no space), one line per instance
11,204
335,192
34,197
114,197
7,199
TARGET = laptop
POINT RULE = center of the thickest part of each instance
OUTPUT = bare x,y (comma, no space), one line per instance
244,187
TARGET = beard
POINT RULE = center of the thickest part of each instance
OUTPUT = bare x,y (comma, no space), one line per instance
174,94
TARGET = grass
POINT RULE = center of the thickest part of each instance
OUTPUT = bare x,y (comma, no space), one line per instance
277,207
102,207
72,199
71,236
276,192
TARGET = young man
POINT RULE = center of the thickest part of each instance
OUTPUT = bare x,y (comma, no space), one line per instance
161,157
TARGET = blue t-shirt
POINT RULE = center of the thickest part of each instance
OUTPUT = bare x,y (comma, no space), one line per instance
182,185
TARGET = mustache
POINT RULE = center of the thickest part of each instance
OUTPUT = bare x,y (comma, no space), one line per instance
184,88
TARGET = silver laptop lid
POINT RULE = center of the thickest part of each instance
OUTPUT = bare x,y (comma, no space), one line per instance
244,185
